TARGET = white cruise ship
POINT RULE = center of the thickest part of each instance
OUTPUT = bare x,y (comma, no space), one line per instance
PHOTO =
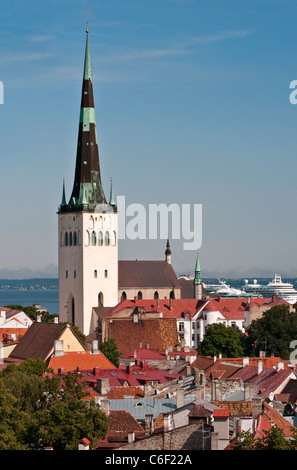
282,290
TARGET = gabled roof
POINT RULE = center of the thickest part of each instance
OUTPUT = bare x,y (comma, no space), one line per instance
74,360
38,341
146,274
170,308
264,383
289,392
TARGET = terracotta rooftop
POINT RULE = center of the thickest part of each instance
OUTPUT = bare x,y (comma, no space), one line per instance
72,361
170,308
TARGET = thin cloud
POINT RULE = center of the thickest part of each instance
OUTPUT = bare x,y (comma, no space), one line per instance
41,38
222,36
24,57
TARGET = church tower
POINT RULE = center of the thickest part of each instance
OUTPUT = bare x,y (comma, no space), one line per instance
88,227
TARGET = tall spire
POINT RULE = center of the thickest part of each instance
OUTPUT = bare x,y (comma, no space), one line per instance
87,190
111,197
197,279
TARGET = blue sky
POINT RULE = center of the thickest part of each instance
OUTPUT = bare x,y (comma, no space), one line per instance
192,107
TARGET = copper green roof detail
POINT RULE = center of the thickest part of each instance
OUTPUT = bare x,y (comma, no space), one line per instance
197,279
111,198
87,190
63,202
87,64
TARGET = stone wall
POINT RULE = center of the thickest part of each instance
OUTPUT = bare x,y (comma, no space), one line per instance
188,437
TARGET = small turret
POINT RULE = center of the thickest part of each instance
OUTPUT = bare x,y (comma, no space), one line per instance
168,252
197,280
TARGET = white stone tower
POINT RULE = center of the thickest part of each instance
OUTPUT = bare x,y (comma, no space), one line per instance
88,228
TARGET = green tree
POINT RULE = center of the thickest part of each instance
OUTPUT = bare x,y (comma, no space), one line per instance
273,332
274,439
18,429
110,350
221,339
67,421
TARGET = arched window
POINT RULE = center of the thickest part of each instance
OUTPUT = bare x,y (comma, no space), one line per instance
124,296
172,296
100,298
74,239
73,311
66,274
156,295
95,273
100,238
93,238
113,238
70,238
139,295
106,238
66,239
105,273
74,274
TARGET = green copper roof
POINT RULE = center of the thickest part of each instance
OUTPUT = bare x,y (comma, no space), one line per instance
111,198
63,203
87,64
198,279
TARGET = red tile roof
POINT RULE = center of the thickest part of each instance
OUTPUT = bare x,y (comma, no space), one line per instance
171,308
131,375
72,361
221,414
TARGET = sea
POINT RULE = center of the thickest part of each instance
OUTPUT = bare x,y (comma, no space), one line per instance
27,292
45,292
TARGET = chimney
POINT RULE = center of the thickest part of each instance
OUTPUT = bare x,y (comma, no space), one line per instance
219,297
59,348
167,422
248,391
259,367
273,298
56,320
149,425
103,386
131,437
95,349
38,319
245,361
84,444
179,398
279,366
105,406
2,317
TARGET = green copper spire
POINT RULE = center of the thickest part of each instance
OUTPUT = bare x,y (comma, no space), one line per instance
87,192
111,198
63,203
197,279
87,64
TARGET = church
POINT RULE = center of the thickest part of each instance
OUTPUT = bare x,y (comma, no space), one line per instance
90,273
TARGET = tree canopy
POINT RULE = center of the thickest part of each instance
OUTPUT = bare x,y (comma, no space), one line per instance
38,411
273,332
221,339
